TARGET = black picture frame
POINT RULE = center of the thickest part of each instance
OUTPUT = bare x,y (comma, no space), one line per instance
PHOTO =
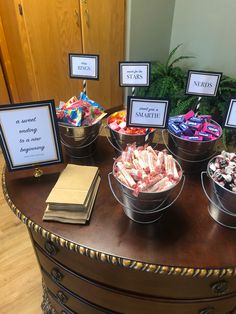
134,63
190,72
84,77
130,103
228,113
13,108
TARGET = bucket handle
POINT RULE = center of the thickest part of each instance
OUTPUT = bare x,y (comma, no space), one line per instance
192,161
93,140
119,150
205,192
118,200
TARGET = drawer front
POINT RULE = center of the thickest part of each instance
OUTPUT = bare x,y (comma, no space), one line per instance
57,306
148,283
68,299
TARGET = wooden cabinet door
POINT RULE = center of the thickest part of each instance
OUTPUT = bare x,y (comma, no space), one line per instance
39,36
53,30
4,97
103,34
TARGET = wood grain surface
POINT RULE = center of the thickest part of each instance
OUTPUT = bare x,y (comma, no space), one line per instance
39,35
103,33
186,236
4,97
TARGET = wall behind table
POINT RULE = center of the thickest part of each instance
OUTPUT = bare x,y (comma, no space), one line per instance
207,29
148,31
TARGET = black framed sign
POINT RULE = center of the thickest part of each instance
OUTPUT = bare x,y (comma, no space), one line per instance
84,66
134,73
147,113
29,135
202,83
230,117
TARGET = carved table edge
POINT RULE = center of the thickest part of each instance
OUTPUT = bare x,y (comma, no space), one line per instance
111,259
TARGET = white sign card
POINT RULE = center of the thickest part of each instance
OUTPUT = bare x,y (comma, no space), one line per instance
134,73
202,83
230,119
29,135
84,66
147,113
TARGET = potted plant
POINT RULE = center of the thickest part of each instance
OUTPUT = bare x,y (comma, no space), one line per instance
169,80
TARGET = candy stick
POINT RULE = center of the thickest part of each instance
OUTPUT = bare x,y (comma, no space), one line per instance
122,179
158,185
160,159
129,179
137,154
146,185
151,150
151,164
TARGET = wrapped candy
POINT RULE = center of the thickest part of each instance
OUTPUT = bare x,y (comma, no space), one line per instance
223,170
80,112
144,169
194,128
117,122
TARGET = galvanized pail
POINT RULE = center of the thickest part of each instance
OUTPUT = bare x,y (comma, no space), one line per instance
146,207
222,202
79,141
192,155
120,140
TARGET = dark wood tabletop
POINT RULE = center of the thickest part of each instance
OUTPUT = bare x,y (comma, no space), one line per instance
186,235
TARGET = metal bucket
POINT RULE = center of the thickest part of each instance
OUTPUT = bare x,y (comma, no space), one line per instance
146,207
222,206
119,140
193,156
79,141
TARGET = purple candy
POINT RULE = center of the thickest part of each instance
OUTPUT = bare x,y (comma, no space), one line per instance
194,125
196,119
212,129
186,129
205,117
206,136
177,119
193,138
174,129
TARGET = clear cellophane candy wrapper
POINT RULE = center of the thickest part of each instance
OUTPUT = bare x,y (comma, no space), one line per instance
80,112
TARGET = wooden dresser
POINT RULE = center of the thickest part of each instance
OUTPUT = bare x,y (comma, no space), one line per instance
183,264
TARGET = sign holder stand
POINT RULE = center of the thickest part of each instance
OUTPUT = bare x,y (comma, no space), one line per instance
133,91
212,78
84,87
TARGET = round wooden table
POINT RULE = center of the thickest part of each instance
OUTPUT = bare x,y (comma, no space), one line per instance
183,263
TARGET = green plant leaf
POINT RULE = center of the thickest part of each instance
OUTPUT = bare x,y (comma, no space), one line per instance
171,54
178,59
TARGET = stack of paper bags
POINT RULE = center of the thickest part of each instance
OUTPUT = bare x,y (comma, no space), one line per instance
72,198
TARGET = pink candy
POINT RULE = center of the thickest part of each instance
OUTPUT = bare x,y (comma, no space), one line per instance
144,169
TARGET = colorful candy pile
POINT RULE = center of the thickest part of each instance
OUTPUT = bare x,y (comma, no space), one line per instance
117,122
223,170
80,112
194,128
144,169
